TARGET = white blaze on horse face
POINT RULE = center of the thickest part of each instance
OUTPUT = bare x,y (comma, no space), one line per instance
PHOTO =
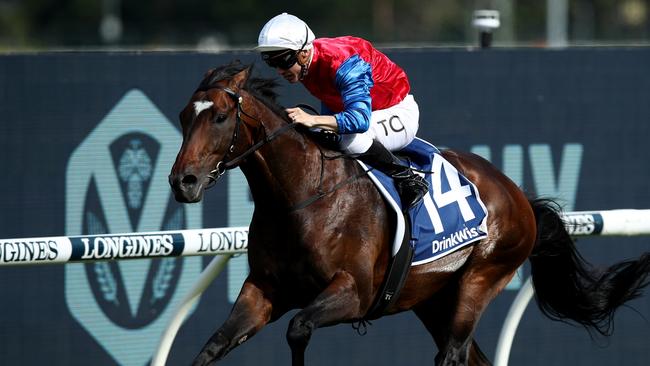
201,106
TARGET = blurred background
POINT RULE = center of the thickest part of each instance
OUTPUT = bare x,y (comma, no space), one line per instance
217,25
560,117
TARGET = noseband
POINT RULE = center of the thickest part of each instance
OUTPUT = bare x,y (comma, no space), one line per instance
224,164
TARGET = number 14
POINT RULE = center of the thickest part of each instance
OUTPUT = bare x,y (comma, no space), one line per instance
456,193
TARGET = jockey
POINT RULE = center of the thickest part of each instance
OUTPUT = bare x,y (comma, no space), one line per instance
364,95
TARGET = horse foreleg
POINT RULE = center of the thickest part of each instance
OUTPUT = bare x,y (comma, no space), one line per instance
251,311
338,302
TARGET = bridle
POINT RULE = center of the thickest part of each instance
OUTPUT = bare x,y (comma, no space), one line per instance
224,164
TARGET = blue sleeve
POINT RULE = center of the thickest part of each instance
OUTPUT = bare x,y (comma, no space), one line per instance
354,80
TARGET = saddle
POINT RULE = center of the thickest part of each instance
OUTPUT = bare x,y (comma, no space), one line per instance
452,216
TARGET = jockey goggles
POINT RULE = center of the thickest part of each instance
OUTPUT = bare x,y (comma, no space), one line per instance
284,59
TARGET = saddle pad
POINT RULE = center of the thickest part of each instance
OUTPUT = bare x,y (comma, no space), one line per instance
450,217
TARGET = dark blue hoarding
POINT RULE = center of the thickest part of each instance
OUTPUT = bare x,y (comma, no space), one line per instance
87,141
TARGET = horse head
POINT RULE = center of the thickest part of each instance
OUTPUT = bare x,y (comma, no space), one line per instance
214,131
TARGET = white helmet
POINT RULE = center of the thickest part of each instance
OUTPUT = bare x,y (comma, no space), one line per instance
285,31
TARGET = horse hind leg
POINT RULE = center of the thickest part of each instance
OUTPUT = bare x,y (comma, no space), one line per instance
451,351
435,317
476,356
451,317
337,303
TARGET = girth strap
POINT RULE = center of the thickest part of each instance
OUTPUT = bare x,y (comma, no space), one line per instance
396,273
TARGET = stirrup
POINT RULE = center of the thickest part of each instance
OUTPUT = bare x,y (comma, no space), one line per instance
411,190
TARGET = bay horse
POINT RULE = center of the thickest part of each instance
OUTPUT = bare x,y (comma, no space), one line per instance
320,236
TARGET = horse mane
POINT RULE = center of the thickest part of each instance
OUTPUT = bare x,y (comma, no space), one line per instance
262,89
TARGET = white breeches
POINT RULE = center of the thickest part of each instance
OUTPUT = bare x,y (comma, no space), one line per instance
393,127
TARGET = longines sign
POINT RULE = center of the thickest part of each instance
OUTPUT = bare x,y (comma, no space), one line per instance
64,249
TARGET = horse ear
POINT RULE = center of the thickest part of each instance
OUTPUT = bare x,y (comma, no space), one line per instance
241,77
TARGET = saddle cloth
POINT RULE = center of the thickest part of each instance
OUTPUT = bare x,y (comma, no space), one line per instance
450,217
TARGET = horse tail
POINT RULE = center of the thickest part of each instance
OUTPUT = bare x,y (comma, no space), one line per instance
569,288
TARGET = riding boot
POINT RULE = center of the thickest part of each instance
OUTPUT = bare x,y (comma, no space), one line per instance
410,186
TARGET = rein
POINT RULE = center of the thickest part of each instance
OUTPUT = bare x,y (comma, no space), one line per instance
224,165
320,194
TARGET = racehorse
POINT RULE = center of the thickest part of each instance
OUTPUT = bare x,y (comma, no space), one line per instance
320,235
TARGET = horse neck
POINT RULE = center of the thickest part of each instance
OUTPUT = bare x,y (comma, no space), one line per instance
286,170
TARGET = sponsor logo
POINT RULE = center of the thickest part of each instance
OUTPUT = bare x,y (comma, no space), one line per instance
583,224
456,238
131,246
116,182
28,251
393,123
217,241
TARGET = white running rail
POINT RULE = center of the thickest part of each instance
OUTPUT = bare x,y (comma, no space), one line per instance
91,248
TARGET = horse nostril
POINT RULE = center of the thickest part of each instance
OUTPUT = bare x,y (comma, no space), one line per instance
189,180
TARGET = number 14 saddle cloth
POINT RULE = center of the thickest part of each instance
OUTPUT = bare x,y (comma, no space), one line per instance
449,218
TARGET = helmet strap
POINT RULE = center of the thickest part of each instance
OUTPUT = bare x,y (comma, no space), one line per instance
303,67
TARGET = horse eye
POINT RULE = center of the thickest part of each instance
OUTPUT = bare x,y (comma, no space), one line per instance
220,117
